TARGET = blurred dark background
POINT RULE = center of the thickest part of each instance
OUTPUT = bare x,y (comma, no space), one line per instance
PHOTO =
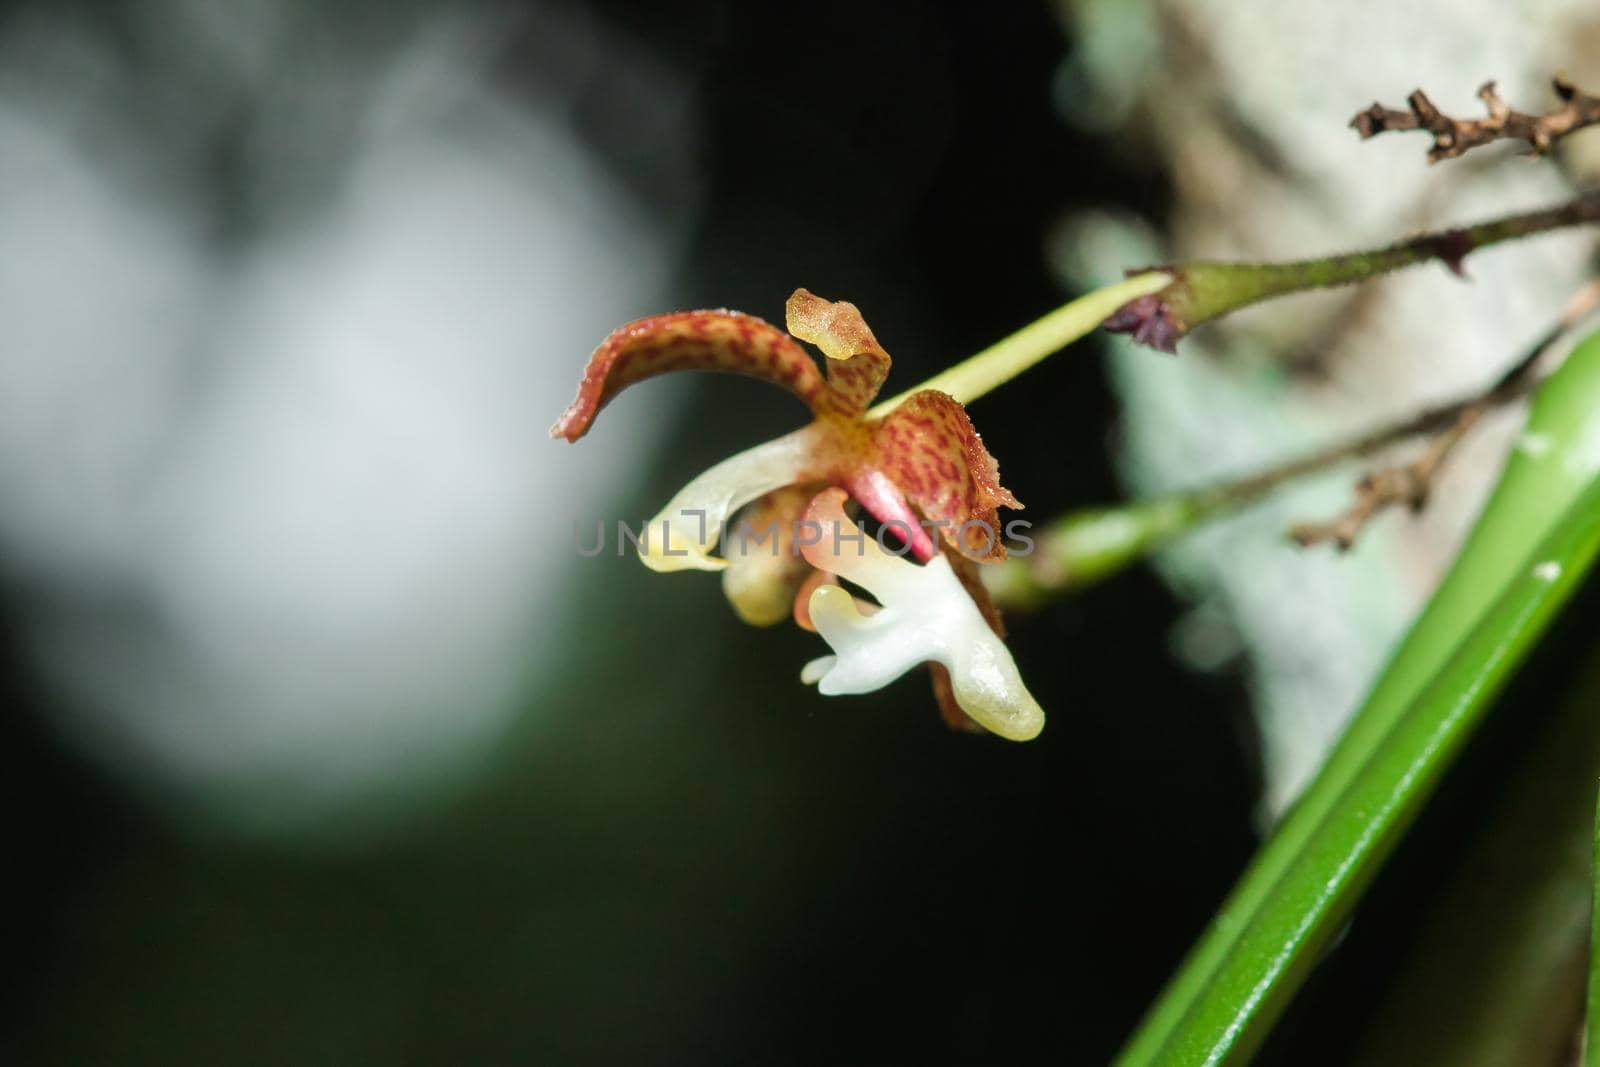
666,850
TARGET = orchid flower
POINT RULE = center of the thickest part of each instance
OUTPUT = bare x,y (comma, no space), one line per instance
920,465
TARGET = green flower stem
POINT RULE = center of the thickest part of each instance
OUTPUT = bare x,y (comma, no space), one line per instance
1186,295
1205,290
1427,701
1005,359
1086,546
1217,288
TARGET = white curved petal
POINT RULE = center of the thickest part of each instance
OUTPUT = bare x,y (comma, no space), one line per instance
812,672
926,616
683,534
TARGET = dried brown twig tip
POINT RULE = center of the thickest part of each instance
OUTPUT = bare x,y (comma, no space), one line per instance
1453,137
1407,483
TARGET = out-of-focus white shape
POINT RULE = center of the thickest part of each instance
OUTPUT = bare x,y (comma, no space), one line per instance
289,511
926,615
1114,45
100,300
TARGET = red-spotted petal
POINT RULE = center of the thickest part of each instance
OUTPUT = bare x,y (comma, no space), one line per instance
857,364
689,340
928,448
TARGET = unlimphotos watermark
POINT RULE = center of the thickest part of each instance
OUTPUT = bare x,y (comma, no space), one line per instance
743,539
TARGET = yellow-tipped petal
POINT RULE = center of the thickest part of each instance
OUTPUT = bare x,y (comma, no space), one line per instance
688,529
675,543
812,672
990,690
857,363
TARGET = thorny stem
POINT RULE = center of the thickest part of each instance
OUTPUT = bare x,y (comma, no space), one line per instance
1203,290
1087,546
1007,358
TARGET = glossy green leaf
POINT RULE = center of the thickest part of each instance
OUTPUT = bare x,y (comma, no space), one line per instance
1492,970
1489,608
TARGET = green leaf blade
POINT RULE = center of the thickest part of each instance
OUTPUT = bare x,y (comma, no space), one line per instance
1328,847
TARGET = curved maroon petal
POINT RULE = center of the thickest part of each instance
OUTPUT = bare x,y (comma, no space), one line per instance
928,448
857,364
689,340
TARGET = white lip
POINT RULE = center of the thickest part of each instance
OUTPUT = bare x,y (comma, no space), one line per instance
926,616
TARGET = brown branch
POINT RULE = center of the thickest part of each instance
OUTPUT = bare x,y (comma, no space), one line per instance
1410,483
1453,137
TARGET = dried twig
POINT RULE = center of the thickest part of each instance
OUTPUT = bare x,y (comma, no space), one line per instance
1453,137
1406,483
1410,483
